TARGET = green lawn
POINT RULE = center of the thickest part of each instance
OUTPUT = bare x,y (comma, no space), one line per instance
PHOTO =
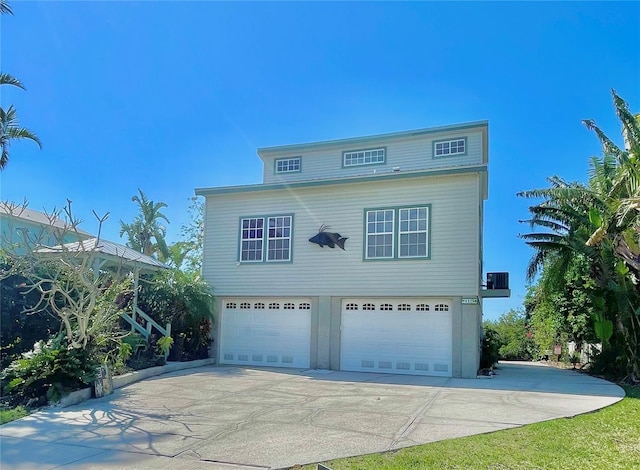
12,414
605,439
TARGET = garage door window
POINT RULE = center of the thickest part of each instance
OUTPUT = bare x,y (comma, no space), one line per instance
399,336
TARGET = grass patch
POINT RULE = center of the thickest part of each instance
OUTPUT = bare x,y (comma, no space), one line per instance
608,438
12,414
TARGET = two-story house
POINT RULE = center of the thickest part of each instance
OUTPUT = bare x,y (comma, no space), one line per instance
405,294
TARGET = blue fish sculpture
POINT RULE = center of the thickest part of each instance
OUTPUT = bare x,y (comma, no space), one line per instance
327,238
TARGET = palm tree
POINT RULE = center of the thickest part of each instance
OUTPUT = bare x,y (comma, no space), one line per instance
11,130
562,219
145,233
9,127
5,8
601,222
618,226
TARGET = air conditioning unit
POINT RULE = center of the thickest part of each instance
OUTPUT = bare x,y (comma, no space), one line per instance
497,281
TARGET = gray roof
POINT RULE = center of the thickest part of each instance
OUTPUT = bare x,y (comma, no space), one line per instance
114,252
18,211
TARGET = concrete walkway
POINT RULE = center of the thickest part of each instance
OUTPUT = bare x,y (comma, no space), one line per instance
236,418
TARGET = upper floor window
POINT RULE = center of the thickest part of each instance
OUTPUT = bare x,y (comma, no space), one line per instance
444,148
288,165
397,233
380,228
276,238
363,157
413,232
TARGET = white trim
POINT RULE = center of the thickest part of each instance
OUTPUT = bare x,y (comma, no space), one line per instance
364,157
373,225
288,165
249,238
416,231
447,145
280,234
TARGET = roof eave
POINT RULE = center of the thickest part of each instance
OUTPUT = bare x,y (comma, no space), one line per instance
267,151
335,181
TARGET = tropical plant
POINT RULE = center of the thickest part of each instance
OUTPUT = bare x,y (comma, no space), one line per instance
561,306
598,223
47,372
512,336
19,329
5,8
145,233
187,302
164,345
490,346
10,129
179,254
193,234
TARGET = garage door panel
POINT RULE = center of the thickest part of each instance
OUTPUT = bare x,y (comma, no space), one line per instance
404,336
269,332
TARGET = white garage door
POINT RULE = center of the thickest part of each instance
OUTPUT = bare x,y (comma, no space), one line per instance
266,332
397,336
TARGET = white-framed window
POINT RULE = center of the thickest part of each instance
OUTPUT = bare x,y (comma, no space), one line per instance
279,238
274,232
397,233
379,238
413,232
287,165
364,157
443,148
251,239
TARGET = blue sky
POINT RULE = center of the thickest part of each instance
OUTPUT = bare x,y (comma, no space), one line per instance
169,96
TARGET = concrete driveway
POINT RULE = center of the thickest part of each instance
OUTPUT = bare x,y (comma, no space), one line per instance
232,417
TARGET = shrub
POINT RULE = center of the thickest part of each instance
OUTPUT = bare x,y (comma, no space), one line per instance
20,330
11,414
490,347
185,301
46,373
513,336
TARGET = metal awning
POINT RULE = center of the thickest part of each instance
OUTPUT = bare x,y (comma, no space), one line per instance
109,255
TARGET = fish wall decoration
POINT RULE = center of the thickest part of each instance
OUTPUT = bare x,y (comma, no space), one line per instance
327,238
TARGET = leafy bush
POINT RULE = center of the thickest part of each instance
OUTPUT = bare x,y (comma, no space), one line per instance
46,373
609,363
11,414
20,330
513,336
490,347
185,301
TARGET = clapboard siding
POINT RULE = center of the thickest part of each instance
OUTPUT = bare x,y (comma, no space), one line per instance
452,270
408,153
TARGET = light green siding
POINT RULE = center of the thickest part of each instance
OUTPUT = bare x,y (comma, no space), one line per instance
453,268
408,153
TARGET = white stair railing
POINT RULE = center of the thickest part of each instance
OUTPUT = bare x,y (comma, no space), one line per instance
150,322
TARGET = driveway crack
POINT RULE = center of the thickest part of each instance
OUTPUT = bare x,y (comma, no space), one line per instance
411,423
